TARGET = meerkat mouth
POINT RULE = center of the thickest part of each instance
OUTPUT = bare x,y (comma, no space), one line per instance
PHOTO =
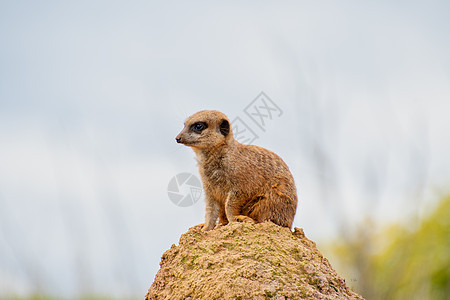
186,143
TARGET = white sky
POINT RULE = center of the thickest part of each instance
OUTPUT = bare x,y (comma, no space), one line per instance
93,93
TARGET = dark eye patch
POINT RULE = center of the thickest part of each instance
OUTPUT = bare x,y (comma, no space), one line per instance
199,127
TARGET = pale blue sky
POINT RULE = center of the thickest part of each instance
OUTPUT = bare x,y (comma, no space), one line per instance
93,93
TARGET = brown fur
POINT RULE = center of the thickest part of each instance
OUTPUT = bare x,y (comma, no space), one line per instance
241,182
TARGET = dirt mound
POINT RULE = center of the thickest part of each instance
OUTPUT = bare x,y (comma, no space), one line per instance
247,261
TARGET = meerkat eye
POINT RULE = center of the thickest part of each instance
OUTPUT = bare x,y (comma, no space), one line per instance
199,127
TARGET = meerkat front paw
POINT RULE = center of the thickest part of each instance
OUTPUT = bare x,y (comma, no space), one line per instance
208,227
198,225
218,225
203,226
245,219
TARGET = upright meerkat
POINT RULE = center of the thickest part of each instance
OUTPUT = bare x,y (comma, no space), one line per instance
241,182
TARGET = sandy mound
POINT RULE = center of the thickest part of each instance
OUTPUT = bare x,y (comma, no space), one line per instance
246,261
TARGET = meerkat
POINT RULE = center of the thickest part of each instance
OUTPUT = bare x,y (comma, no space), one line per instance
242,183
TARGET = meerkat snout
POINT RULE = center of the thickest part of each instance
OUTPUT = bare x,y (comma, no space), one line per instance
241,182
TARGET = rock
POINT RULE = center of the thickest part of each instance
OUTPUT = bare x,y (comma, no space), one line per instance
247,261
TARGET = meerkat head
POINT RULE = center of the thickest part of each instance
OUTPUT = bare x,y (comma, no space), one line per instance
206,129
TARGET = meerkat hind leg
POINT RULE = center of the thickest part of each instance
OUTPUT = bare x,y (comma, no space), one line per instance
278,207
223,216
232,210
233,215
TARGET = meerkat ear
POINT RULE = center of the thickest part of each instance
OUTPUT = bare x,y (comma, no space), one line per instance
224,127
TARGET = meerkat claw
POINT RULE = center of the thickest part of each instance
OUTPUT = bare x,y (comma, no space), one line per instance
244,219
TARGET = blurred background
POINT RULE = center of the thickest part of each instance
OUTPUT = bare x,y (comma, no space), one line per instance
93,93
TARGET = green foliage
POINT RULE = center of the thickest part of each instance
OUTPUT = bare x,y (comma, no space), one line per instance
418,262
412,264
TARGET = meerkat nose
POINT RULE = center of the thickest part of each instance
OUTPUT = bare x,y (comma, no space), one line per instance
178,139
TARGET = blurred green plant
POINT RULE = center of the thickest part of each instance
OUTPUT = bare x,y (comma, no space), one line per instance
400,262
